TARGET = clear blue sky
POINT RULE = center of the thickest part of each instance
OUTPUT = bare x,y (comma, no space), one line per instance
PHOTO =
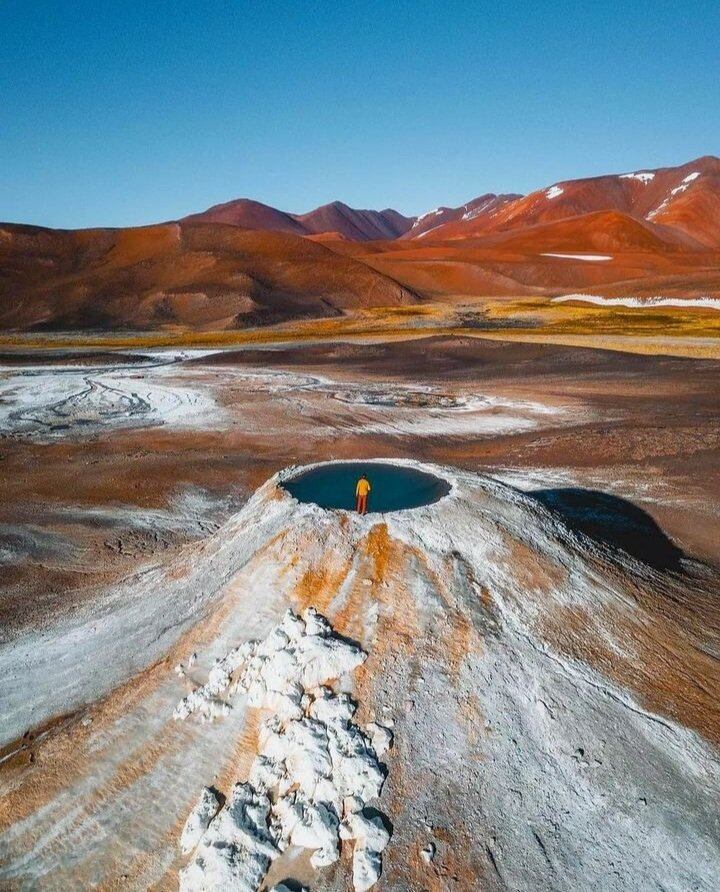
126,113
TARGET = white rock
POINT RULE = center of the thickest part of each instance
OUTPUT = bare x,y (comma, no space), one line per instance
223,867
265,774
288,812
381,737
315,623
367,867
318,830
236,849
199,819
368,832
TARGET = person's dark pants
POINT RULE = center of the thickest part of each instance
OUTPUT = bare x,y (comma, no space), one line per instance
361,505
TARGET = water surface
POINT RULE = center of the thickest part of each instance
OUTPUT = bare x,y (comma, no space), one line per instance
394,487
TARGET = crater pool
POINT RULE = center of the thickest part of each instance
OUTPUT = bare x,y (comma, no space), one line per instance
394,487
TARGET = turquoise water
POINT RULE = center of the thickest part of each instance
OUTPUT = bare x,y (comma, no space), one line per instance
394,487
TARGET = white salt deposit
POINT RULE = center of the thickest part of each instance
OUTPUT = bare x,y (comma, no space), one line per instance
48,403
554,192
315,770
169,354
199,819
465,415
587,257
706,303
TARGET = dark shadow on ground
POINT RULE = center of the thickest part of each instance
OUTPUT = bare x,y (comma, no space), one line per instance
370,813
613,521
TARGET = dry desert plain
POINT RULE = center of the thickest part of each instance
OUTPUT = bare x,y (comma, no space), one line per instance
542,645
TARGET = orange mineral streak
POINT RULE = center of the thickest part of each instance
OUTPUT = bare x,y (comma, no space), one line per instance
318,584
387,563
66,753
662,663
452,868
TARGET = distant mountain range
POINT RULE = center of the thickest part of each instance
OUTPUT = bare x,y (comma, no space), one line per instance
686,198
333,220
643,233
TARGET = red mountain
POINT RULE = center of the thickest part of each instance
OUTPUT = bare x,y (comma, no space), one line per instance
685,197
476,209
250,215
336,218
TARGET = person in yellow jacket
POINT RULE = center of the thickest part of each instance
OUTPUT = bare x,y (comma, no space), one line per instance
361,494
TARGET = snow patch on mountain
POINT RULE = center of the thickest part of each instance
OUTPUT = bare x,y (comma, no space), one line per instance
644,176
428,231
435,212
684,184
475,212
554,192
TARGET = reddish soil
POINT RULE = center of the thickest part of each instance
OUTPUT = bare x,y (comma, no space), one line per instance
207,276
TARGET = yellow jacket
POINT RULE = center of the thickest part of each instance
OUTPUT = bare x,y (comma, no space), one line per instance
363,487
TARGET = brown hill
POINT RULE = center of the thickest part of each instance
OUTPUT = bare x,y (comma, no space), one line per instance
590,251
203,276
250,215
608,230
335,218
355,224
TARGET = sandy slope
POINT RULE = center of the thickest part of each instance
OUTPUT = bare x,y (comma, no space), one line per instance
555,702
199,276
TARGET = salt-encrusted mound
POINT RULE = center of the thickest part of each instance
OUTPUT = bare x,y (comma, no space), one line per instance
556,706
315,772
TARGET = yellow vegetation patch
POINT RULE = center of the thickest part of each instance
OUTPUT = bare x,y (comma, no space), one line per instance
676,331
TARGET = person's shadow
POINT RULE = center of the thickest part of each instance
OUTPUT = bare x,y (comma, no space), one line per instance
615,522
